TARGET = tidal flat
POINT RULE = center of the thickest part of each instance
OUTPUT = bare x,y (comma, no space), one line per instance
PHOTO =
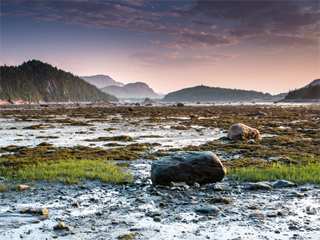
132,137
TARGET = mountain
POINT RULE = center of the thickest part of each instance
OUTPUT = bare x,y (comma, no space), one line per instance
314,83
204,93
131,90
38,81
309,92
101,81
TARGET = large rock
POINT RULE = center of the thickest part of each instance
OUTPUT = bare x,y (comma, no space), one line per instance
240,131
188,167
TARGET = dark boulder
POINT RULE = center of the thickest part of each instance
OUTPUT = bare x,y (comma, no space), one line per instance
180,104
188,167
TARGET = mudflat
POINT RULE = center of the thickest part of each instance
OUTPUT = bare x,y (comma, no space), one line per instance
133,137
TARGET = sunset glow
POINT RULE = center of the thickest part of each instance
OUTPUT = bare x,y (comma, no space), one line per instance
268,46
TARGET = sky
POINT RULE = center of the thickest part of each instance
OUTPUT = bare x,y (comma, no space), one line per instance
267,46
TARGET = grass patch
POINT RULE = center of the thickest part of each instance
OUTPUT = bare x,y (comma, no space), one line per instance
3,188
301,174
72,171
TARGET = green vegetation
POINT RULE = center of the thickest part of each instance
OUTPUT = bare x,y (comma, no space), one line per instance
71,171
204,93
296,173
38,81
3,188
310,92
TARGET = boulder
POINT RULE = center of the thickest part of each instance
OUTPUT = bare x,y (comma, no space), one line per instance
240,131
257,186
180,104
282,183
188,167
261,113
210,209
147,100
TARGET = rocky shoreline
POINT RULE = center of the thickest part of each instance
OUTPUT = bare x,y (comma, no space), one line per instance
226,210
140,135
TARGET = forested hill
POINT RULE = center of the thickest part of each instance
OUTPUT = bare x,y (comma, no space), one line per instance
38,81
311,91
204,93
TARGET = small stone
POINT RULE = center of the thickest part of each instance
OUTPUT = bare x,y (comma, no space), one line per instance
261,113
134,229
257,215
251,141
304,189
257,186
197,185
177,184
77,205
208,209
155,214
283,213
68,228
297,194
140,200
23,187
25,210
43,211
179,218
277,231
254,207
157,219
311,211
60,226
271,215
33,210
116,222
162,204
217,187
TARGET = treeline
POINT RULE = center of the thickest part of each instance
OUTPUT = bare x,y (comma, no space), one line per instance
310,92
38,81
204,93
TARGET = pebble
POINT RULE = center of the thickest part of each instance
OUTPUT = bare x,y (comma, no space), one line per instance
208,209
157,219
59,226
257,186
43,211
22,187
257,215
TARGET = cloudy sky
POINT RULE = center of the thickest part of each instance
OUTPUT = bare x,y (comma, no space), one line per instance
268,46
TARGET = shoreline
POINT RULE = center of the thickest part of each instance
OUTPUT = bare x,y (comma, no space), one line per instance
107,211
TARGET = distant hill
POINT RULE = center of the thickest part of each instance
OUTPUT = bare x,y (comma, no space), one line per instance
38,81
309,92
131,90
204,93
101,81
314,83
